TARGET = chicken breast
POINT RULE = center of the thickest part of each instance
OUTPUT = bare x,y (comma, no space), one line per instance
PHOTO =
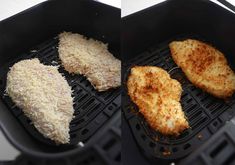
158,99
206,67
90,58
44,96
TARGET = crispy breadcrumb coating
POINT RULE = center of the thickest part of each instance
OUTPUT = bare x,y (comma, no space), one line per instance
205,66
158,99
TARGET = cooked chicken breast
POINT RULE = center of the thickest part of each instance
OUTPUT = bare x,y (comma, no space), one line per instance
44,96
158,99
204,66
91,58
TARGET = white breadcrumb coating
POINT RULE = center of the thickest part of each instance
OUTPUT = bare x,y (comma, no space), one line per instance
91,58
44,96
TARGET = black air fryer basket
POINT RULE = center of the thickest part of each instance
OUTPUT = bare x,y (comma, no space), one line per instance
145,38
33,34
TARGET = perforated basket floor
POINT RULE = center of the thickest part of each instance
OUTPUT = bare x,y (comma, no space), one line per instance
92,108
205,113
107,150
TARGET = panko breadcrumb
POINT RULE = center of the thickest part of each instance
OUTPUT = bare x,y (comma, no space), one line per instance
205,66
90,58
44,96
158,99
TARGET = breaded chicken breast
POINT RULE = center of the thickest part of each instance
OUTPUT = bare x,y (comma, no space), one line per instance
205,66
90,58
158,99
44,96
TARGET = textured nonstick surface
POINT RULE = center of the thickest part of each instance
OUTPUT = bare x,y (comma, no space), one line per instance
205,113
92,108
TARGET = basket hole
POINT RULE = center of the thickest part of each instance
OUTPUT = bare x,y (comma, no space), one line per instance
143,137
215,123
196,115
118,158
162,149
79,91
88,103
108,96
87,83
77,112
109,144
203,119
152,145
114,104
218,149
28,120
30,163
82,98
191,108
188,101
82,79
85,162
220,106
85,131
204,99
186,146
137,126
1,82
73,136
93,109
210,105
175,149
110,108
199,94
74,87
193,88
184,95
92,158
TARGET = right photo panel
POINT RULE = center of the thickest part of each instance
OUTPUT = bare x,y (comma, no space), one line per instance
178,101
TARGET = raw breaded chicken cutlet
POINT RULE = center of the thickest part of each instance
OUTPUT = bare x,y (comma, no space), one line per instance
90,58
44,96
205,66
158,99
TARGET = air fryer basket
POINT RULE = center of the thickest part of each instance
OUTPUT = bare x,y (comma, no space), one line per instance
145,37
33,34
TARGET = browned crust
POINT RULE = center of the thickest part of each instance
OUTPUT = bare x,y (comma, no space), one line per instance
157,97
205,66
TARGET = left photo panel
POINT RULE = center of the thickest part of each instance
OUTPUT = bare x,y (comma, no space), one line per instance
60,84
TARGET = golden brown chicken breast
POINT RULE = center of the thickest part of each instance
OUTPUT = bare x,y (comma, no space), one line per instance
158,99
205,66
